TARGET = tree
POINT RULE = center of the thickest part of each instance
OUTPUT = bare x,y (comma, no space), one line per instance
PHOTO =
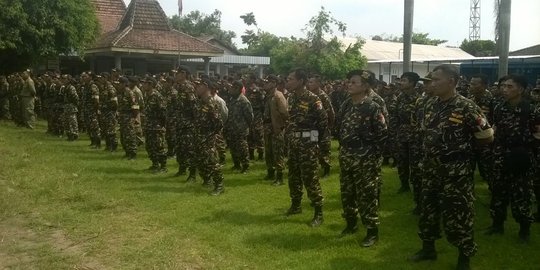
35,30
479,48
198,24
320,52
417,38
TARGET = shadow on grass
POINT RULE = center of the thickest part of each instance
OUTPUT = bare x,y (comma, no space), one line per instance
188,188
243,218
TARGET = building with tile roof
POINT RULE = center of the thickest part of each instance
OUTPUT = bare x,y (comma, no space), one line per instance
143,40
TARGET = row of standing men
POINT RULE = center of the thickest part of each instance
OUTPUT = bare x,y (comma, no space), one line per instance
300,122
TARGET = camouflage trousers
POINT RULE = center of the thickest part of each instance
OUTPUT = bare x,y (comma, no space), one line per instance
238,145
186,149
514,189
360,185
71,127
324,151
207,162
409,173
170,135
128,138
303,159
483,158
451,198
256,135
155,146
221,147
28,116
92,125
274,150
57,126
138,124
14,109
108,123
4,108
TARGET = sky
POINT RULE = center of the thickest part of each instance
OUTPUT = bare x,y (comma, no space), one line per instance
442,19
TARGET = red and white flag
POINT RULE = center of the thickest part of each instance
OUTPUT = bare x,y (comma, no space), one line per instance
179,7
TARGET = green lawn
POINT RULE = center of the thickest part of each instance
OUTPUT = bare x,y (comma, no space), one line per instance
66,206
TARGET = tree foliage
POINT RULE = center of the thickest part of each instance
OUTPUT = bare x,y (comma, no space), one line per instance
479,48
34,30
417,38
199,24
320,52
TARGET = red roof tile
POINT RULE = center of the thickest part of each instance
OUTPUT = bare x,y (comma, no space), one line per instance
145,26
109,13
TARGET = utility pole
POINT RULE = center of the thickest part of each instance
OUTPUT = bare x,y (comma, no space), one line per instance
504,35
407,34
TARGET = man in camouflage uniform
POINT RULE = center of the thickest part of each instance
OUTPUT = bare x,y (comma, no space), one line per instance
482,97
276,116
4,98
517,136
185,118
15,87
71,103
108,111
171,97
308,122
224,114
451,123
139,119
390,148
337,97
154,126
57,107
362,129
314,85
27,97
128,110
237,126
48,88
256,98
91,109
207,124
407,149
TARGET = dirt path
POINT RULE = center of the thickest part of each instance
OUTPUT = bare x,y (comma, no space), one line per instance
20,247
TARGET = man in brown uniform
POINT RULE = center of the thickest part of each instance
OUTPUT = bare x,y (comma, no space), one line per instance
276,115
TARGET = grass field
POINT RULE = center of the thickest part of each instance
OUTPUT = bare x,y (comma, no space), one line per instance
66,206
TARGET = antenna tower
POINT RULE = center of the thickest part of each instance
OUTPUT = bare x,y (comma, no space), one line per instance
474,21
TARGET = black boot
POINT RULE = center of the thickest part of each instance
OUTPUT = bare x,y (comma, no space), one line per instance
218,187
236,166
464,262
317,217
163,167
524,231
245,168
154,167
97,143
295,208
372,236
352,226
326,171
279,179
191,177
270,174
426,253
496,228
181,171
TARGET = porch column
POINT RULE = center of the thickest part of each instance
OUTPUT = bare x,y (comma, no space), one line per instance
118,61
206,65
